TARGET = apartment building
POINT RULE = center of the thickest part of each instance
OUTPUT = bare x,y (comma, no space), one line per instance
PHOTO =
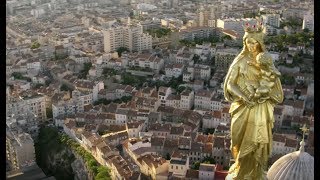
146,61
308,22
25,103
179,164
203,16
196,32
207,171
200,71
174,70
69,106
224,57
202,99
153,165
271,19
212,119
163,93
283,145
187,99
131,37
294,13
89,87
235,24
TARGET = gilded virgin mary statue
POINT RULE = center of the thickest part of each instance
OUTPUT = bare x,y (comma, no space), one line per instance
253,87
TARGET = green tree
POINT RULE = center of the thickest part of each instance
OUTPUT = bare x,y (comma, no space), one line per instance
84,72
93,166
48,82
249,15
132,80
126,98
109,72
295,127
17,75
159,32
131,15
37,86
196,58
306,30
180,89
102,101
226,168
187,43
35,45
49,113
195,165
208,160
103,174
168,156
226,37
47,146
64,87
209,131
120,50
214,39
286,79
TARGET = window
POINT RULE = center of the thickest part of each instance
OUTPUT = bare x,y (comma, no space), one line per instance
176,167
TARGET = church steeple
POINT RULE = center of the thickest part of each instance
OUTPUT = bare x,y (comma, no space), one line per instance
304,129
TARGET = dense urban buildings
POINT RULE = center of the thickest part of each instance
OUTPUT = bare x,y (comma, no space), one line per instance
138,84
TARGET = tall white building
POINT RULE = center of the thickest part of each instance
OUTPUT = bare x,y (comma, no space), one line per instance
203,16
235,24
131,37
207,15
271,19
308,22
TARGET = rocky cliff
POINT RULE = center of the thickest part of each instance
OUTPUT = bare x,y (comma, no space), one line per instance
57,159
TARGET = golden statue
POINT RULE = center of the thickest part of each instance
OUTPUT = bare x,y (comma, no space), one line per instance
253,86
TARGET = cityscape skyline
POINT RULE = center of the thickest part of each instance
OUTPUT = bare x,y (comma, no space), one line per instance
133,89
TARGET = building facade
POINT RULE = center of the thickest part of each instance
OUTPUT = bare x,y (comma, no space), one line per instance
131,37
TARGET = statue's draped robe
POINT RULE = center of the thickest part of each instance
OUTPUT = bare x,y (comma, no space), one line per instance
251,136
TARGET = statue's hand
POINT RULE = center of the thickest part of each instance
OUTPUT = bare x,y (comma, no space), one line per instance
249,103
263,99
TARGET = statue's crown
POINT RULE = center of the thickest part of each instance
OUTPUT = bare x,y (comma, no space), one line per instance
257,28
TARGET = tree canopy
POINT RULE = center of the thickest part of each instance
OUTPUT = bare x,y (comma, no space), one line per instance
160,32
35,45
84,72
120,50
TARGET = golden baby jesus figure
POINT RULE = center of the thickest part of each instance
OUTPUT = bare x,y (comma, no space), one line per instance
259,92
